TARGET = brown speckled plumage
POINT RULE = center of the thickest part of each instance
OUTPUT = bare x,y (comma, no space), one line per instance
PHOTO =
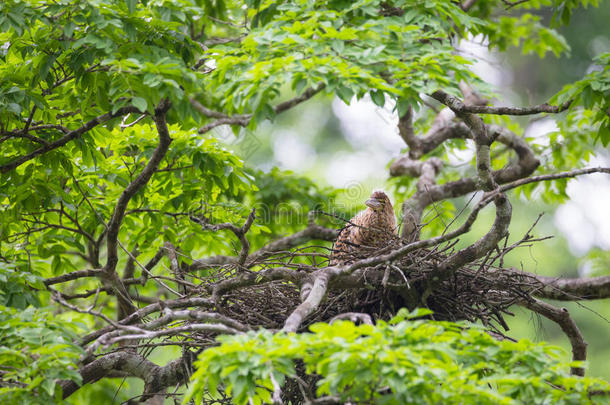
366,231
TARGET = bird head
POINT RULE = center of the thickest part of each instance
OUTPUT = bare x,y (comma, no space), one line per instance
378,201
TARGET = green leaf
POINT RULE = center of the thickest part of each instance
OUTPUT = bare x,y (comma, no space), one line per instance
131,5
139,103
378,98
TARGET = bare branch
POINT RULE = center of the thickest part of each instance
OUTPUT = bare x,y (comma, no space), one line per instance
554,176
313,300
214,322
148,310
312,232
240,232
247,279
571,289
72,276
561,316
459,107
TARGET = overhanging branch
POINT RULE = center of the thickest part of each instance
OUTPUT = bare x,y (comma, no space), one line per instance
244,119
67,138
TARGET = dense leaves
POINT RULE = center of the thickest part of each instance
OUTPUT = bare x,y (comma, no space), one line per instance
403,361
36,350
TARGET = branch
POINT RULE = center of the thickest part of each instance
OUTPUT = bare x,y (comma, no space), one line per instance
259,277
486,182
571,289
312,302
244,119
487,198
136,185
133,364
178,330
554,176
448,99
67,138
542,108
312,232
240,232
72,276
414,206
109,275
561,316
405,129
212,322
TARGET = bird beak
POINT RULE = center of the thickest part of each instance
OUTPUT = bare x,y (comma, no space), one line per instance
373,203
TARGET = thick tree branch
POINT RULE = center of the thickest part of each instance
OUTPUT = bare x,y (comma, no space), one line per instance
155,377
414,206
313,300
136,185
485,182
109,275
571,289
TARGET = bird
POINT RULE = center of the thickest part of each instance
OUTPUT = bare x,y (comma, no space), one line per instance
367,231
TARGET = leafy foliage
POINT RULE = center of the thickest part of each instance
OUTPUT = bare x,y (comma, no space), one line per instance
407,360
36,350
593,94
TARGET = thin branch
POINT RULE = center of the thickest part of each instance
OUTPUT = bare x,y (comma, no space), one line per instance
66,138
252,278
240,232
571,289
554,176
312,232
244,119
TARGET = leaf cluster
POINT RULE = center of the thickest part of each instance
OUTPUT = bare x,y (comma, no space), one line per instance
406,360
36,351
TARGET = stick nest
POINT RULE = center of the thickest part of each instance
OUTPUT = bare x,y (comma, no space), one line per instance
479,291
